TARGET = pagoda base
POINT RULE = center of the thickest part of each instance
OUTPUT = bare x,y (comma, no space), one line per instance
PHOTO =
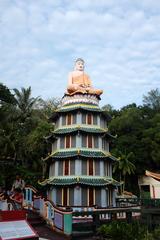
80,98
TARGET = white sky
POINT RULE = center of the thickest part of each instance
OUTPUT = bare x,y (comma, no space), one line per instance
119,41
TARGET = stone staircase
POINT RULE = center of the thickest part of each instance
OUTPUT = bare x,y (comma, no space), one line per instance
34,219
39,225
84,230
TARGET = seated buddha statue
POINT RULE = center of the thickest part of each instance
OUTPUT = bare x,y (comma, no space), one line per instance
79,81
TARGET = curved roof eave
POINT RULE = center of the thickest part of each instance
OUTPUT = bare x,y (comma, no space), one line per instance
82,180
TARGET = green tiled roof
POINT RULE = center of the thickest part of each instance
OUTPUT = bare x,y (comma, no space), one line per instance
73,107
82,127
84,152
83,180
70,107
76,152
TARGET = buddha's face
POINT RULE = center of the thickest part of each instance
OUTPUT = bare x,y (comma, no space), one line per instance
79,66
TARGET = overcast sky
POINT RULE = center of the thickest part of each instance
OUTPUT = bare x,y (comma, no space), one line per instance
119,41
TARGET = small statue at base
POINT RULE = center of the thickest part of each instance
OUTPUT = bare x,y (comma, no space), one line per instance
79,81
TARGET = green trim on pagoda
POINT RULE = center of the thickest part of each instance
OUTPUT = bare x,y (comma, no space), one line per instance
73,107
80,103
82,127
85,106
83,152
82,180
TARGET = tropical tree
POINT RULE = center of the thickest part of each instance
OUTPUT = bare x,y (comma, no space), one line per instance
25,103
47,107
7,126
5,95
152,100
7,112
129,126
151,138
23,127
26,121
124,167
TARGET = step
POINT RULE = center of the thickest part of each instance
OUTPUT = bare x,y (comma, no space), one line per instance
78,227
46,233
34,218
82,234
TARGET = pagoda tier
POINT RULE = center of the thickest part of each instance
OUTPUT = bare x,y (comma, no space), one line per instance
80,164
82,180
83,152
82,128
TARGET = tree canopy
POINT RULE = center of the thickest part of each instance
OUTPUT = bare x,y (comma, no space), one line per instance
138,132
5,95
22,130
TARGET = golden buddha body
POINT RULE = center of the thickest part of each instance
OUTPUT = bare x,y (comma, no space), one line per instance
79,81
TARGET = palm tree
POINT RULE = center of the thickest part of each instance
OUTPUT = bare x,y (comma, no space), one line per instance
25,102
48,107
25,121
124,166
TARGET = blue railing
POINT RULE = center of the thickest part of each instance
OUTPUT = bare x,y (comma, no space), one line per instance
47,210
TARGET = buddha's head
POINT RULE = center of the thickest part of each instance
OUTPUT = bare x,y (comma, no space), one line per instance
79,65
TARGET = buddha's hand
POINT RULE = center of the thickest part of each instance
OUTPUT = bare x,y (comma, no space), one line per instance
87,89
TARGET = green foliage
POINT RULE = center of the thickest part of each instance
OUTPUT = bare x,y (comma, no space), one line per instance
156,233
36,137
5,95
122,230
25,103
152,100
48,107
138,132
124,166
29,175
37,146
22,131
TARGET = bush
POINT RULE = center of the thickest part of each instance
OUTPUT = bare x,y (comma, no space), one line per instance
156,233
124,231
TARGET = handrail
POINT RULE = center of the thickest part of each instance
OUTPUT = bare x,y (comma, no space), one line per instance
7,204
31,187
144,202
47,200
58,208
57,217
78,206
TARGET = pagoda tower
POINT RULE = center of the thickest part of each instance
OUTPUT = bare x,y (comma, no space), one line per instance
80,164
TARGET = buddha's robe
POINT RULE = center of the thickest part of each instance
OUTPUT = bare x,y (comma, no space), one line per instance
82,84
82,80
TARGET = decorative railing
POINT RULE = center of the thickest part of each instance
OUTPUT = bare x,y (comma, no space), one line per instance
126,202
58,218
29,192
143,202
5,205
